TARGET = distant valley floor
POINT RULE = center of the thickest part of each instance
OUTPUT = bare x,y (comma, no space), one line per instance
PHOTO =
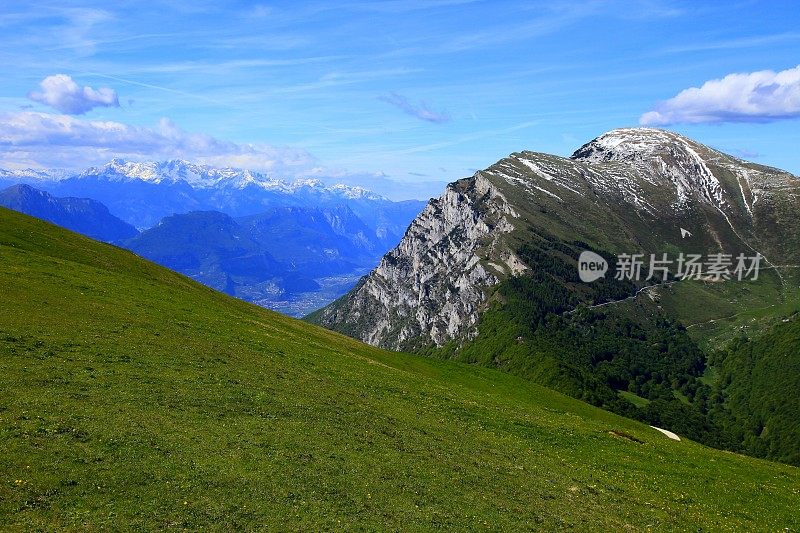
301,304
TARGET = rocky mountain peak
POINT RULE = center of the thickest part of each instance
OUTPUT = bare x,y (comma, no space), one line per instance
631,144
628,189
660,156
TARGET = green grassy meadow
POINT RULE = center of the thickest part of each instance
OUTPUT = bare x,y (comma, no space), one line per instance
134,398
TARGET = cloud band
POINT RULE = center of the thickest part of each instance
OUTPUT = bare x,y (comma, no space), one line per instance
762,96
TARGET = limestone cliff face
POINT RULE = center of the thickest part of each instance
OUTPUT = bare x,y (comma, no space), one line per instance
431,287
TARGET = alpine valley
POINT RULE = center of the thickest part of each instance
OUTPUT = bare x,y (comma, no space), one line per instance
289,246
488,274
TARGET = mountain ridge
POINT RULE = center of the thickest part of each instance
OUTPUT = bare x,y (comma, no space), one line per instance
488,274
174,170
280,258
142,193
81,215
620,206
207,176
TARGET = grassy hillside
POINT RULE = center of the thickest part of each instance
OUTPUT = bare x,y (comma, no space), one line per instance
716,313
131,397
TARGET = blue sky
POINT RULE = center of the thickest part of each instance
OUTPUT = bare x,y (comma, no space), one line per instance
400,96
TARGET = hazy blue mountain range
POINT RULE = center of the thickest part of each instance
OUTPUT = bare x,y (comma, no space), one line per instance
291,246
329,241
81,215
280,259
142,193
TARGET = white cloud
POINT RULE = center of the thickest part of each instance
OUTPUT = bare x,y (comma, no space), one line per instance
46,140
30,139
62,94
751,97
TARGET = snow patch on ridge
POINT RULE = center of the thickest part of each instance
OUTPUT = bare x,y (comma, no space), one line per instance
655,154
549,172
625,144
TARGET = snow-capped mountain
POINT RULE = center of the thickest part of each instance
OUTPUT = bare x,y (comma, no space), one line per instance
629,190
176,171
142,193
14,176
656,155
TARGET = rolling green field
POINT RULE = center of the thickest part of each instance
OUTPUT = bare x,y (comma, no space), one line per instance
132,397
